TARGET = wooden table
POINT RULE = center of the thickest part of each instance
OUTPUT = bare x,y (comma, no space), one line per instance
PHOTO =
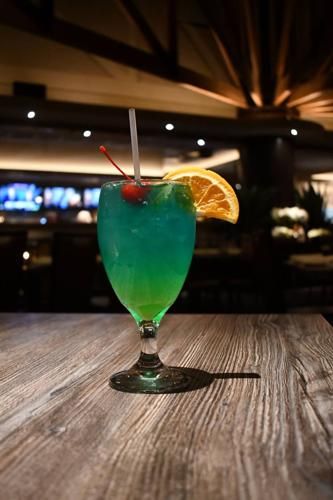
260,427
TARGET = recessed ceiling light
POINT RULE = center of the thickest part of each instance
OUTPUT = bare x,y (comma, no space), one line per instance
293,131
201,142
238,187
43,221
87,133
169,126
31,114
26,255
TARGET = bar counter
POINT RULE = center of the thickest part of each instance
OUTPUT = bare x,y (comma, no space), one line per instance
256,422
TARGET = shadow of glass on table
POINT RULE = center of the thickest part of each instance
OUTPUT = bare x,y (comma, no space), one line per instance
199,379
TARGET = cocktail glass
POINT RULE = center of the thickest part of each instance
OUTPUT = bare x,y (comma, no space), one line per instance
146,237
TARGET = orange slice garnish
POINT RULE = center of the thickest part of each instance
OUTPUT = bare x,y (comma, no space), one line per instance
213,195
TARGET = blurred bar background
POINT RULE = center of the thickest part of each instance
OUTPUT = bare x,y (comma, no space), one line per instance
243,88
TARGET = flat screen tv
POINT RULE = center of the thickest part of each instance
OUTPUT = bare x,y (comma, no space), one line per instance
20,197
91,197
62,198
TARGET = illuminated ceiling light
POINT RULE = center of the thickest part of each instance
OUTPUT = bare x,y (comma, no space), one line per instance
201,142
238,187
256,98
306,98
87,133
293,131
38,199
325,176
316,104
31,114
26,255
169,126
43,221
239,102
282,97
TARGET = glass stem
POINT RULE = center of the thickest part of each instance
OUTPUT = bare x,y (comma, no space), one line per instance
149,362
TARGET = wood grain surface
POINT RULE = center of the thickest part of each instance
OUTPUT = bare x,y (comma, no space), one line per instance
262,429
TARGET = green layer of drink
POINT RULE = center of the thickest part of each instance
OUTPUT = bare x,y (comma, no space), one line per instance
147,246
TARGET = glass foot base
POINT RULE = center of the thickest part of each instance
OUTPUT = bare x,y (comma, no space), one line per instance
168,379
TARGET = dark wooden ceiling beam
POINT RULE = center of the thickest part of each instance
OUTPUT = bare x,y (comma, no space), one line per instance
322,104
83,39
89,41
193,37
282,93
220,91
226,59
311,52
319,100
173,32
320,53
256,92
282,83
328,111
262,64
267,70
222,45
134,14
40,10
305,93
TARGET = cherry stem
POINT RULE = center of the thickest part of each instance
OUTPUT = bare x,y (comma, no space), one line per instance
104,151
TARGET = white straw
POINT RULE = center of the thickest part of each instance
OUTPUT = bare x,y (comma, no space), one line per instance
135,148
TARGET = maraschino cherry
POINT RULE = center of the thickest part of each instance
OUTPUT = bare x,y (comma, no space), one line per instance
133,193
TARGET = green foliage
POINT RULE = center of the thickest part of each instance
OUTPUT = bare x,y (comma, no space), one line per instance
314,203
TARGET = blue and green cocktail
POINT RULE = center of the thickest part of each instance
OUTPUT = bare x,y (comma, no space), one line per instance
146,235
